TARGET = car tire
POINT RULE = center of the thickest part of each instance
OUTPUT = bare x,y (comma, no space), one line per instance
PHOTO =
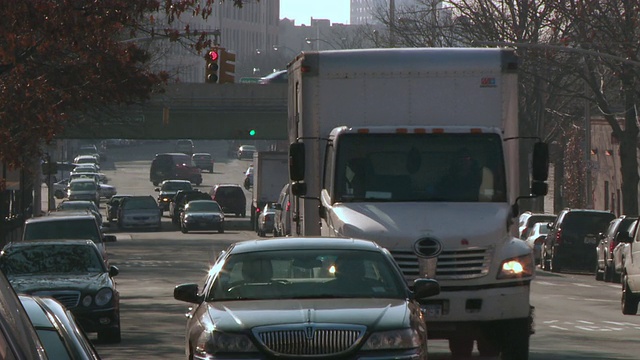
608,274
599,274
243,214
184,229
110,336
629,301
461,346
221,229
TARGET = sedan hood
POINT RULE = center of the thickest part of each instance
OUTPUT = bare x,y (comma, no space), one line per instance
400,224
247,314
28,284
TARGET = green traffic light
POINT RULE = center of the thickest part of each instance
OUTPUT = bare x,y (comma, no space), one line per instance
252,132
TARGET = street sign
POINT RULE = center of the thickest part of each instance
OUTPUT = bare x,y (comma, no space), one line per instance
249,80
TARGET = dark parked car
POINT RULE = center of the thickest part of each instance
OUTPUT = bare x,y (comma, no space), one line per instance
174,166
168,190
231,198
113,205
204,161
297,298
74,273
618,231
181,199
572,239
202,215
57,329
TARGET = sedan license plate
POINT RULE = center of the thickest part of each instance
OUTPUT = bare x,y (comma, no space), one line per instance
432,310
590,240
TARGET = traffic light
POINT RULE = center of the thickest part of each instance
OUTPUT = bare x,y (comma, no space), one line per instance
227,67
212,67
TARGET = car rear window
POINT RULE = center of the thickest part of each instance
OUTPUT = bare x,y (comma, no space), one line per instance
585,223
63,229
229,191
140,203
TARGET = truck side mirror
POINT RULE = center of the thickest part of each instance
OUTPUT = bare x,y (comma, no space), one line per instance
299,189
296,161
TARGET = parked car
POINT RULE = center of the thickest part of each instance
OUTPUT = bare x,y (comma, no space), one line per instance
113,204
282,216
57,329
201,215
84,189
72,226
528,219
139,212
248,178
74,273
355,303
17,334
181,199
168,190
231,198
537,236
631,276
265,220
106,191
179,166
572,239
622,251
246,152
204,161
185,146
75,205
276,77
87,159
618,228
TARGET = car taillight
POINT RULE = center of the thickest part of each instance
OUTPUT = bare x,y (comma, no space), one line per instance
257,210
612,244
559,237
288,205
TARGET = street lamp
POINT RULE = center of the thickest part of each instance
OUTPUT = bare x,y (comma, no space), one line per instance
309,40
278,47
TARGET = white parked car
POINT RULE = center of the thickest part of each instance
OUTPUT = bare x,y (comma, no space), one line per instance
621,252
87,159
536,238
83,189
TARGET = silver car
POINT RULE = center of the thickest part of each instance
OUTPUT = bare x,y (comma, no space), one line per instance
83,189
139,212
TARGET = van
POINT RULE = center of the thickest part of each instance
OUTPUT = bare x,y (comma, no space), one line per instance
170,166
185,146
231,198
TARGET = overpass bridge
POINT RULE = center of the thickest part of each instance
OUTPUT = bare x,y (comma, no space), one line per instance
194,111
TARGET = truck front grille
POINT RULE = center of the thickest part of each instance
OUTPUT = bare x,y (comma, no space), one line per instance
452,264
309,340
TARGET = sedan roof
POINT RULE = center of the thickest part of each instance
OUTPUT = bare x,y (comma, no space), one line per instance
295,243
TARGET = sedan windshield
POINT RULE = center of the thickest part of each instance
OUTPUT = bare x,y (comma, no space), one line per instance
51,259
299,274
202,206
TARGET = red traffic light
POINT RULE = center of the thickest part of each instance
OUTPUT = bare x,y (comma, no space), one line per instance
213,55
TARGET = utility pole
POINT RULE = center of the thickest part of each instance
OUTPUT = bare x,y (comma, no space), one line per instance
392,23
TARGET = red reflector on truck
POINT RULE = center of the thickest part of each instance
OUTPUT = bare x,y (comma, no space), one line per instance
363,131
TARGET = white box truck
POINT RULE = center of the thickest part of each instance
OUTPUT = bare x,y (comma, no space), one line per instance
417,149
270,173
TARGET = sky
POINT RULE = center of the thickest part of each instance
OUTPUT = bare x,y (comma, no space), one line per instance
303,10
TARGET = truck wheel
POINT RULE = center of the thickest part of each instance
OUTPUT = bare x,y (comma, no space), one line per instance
515,344
629,300
461,346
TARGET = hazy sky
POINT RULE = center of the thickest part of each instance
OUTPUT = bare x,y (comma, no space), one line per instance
303,10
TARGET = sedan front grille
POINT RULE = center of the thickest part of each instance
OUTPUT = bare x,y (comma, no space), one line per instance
452,264
309,340
69,299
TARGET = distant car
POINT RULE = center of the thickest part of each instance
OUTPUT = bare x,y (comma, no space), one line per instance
572,239
618,229
246,152
107,191
277,77
202,215
83,189
265,220
231,198
248,178
168,190
528,219
74,205
166,166
536,238
57,329
113,204
282,216
185,146
74,273
297,298
87,159
60,188
182,198
204,161
139,212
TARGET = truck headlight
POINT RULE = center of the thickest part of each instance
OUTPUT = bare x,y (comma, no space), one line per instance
213,342
518,267
393,339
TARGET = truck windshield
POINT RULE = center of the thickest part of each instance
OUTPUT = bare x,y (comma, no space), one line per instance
451,167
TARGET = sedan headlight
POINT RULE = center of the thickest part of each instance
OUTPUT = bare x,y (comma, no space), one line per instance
218,342
104,296
514,268
394,339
